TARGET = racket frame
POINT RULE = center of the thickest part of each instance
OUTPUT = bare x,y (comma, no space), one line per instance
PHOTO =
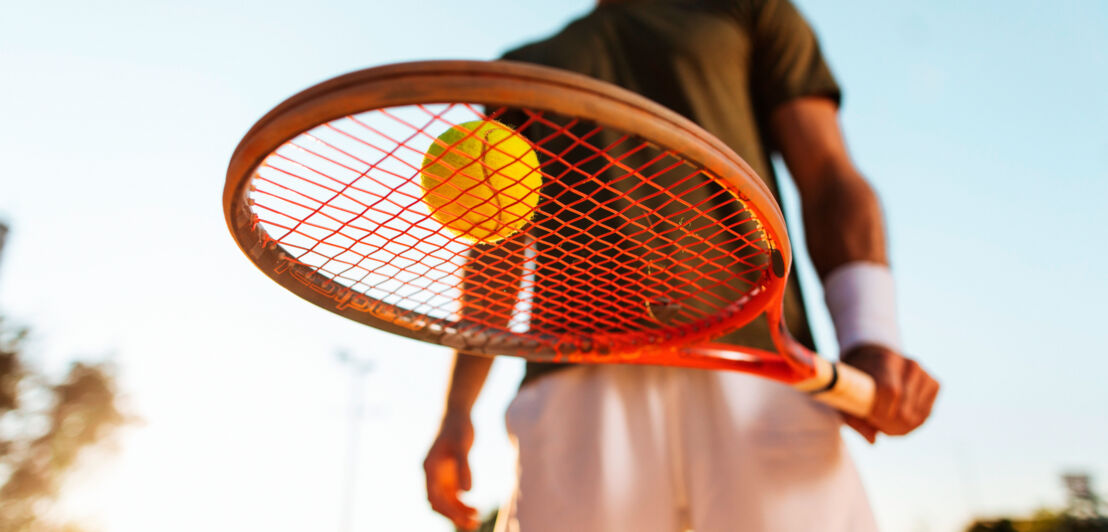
520,85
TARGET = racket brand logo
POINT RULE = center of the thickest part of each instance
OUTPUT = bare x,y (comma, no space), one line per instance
599,227
342,297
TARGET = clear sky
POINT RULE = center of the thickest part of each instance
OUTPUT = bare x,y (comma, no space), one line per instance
982,125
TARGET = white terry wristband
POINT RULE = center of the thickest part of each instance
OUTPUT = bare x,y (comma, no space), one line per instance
861,299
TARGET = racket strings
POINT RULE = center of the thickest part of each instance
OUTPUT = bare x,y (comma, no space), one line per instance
628,245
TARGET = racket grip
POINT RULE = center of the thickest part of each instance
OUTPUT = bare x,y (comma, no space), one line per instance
842,387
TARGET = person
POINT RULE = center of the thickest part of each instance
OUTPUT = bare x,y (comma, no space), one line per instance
612,448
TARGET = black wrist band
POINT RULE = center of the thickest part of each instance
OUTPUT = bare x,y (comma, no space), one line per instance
830,384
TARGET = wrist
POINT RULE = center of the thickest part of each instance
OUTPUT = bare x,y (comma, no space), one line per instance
456,411
455,423
861,299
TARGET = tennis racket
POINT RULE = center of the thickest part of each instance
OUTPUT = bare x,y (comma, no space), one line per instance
644,238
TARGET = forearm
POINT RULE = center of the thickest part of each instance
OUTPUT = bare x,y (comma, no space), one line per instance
844,224
842,217
490,284
846,241
467,378
843,220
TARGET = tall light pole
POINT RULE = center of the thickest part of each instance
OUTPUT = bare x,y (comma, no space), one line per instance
358,369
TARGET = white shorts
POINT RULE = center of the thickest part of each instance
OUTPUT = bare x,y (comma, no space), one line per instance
644,449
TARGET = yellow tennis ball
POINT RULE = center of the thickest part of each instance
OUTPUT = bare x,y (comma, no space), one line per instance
481,180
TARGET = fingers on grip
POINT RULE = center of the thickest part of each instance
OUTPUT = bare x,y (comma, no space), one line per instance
905,392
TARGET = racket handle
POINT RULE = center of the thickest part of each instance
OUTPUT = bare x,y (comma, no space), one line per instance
837,385
841,386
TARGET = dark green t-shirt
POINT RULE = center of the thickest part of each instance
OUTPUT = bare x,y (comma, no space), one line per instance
724,64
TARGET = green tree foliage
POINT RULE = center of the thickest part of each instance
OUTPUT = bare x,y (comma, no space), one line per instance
487,525
1042,521
45,427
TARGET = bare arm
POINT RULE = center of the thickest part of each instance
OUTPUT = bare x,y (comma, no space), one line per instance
447,465
488,294
843,224
842,217
466,380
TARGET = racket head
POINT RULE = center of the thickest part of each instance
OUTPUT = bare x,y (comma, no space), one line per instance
323,195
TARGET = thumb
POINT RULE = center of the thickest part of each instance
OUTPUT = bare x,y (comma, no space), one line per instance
861,426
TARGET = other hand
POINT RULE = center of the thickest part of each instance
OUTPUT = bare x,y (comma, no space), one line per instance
447,471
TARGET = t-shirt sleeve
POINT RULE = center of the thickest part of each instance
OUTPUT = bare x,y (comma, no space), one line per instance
786,59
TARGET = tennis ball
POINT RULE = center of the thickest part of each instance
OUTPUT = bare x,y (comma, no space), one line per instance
481,180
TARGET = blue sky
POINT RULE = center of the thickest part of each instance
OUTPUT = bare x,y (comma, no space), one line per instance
981,124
